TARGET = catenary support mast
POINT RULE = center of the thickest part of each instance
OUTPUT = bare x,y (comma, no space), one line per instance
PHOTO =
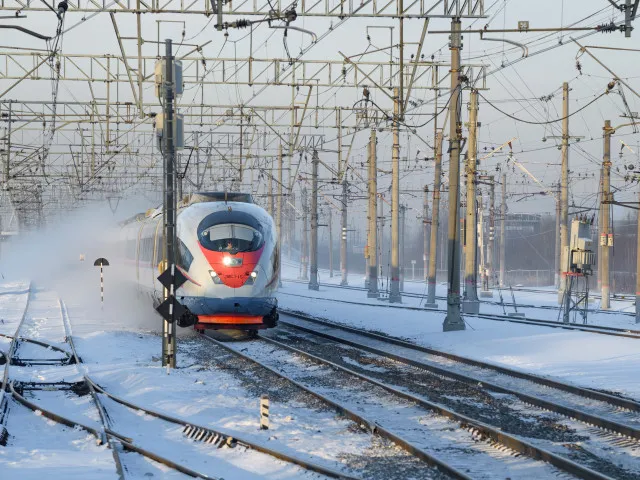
454,320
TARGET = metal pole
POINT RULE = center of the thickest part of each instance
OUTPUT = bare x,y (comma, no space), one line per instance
304,251
454,320
558,255
564,190
279,205
7,165
435,220
600,209
492,231
471,304
330,244
394,295
403,216
373,224
604,228
638,266
343,238
503,237
313,280
168,327
425,233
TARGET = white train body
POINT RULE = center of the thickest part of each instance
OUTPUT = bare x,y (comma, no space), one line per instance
227,250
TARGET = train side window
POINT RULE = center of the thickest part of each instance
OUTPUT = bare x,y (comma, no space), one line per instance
185,258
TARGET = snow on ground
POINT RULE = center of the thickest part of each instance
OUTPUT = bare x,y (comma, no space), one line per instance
586,359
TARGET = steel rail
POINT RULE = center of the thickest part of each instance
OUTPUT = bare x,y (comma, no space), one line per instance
495,434
122,440
488,302
352,415
4,404
598,329
206,432
534,400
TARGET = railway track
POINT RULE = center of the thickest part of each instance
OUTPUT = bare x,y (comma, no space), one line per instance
605,422
389,412
609,414
597,329
106,416
488,302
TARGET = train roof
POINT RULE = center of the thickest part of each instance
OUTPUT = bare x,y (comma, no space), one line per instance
201,197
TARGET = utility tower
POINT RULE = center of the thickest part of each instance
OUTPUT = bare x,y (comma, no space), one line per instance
503,236
394,292
454,320
425,233
313,280
435,219
471,304
372,244
606,238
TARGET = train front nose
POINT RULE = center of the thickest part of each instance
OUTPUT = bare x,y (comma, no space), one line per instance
233,253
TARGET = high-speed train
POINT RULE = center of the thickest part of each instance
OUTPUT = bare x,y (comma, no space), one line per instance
226,248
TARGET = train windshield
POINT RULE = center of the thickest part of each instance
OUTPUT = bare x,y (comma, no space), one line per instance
232,238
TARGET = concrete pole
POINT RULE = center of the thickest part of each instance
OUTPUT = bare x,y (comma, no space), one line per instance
604,228
492,232
330,244
638,265
435,220
600,208
564,191
381,236
304,250
403,217
425,233
503,237
471,304
272,209
168,326
343,238
394,292
279,204
454,320
372,217
558,253
313,280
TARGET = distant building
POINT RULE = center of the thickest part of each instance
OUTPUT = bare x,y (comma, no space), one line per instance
518,225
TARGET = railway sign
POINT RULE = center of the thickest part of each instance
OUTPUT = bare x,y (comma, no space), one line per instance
165,278
166,311
100,262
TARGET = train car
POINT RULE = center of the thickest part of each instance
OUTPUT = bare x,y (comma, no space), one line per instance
226,248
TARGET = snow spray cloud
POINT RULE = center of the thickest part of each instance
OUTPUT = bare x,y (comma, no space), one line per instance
60,257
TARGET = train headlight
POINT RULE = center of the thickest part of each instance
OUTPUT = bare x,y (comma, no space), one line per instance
215,277
226,261
254,274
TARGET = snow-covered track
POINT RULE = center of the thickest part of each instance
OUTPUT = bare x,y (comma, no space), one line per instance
600,409
423,297
219,438
7,356
372,425
598,329
498,438
191,430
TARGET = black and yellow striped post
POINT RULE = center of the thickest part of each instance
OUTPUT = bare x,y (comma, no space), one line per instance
264,412
101,262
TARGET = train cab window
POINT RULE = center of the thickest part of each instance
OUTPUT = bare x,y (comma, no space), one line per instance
184,256
232,238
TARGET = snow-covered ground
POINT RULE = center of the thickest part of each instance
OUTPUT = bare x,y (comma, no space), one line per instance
586,359
120,347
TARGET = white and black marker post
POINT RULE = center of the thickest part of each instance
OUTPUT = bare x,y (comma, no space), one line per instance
101,262
264,412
